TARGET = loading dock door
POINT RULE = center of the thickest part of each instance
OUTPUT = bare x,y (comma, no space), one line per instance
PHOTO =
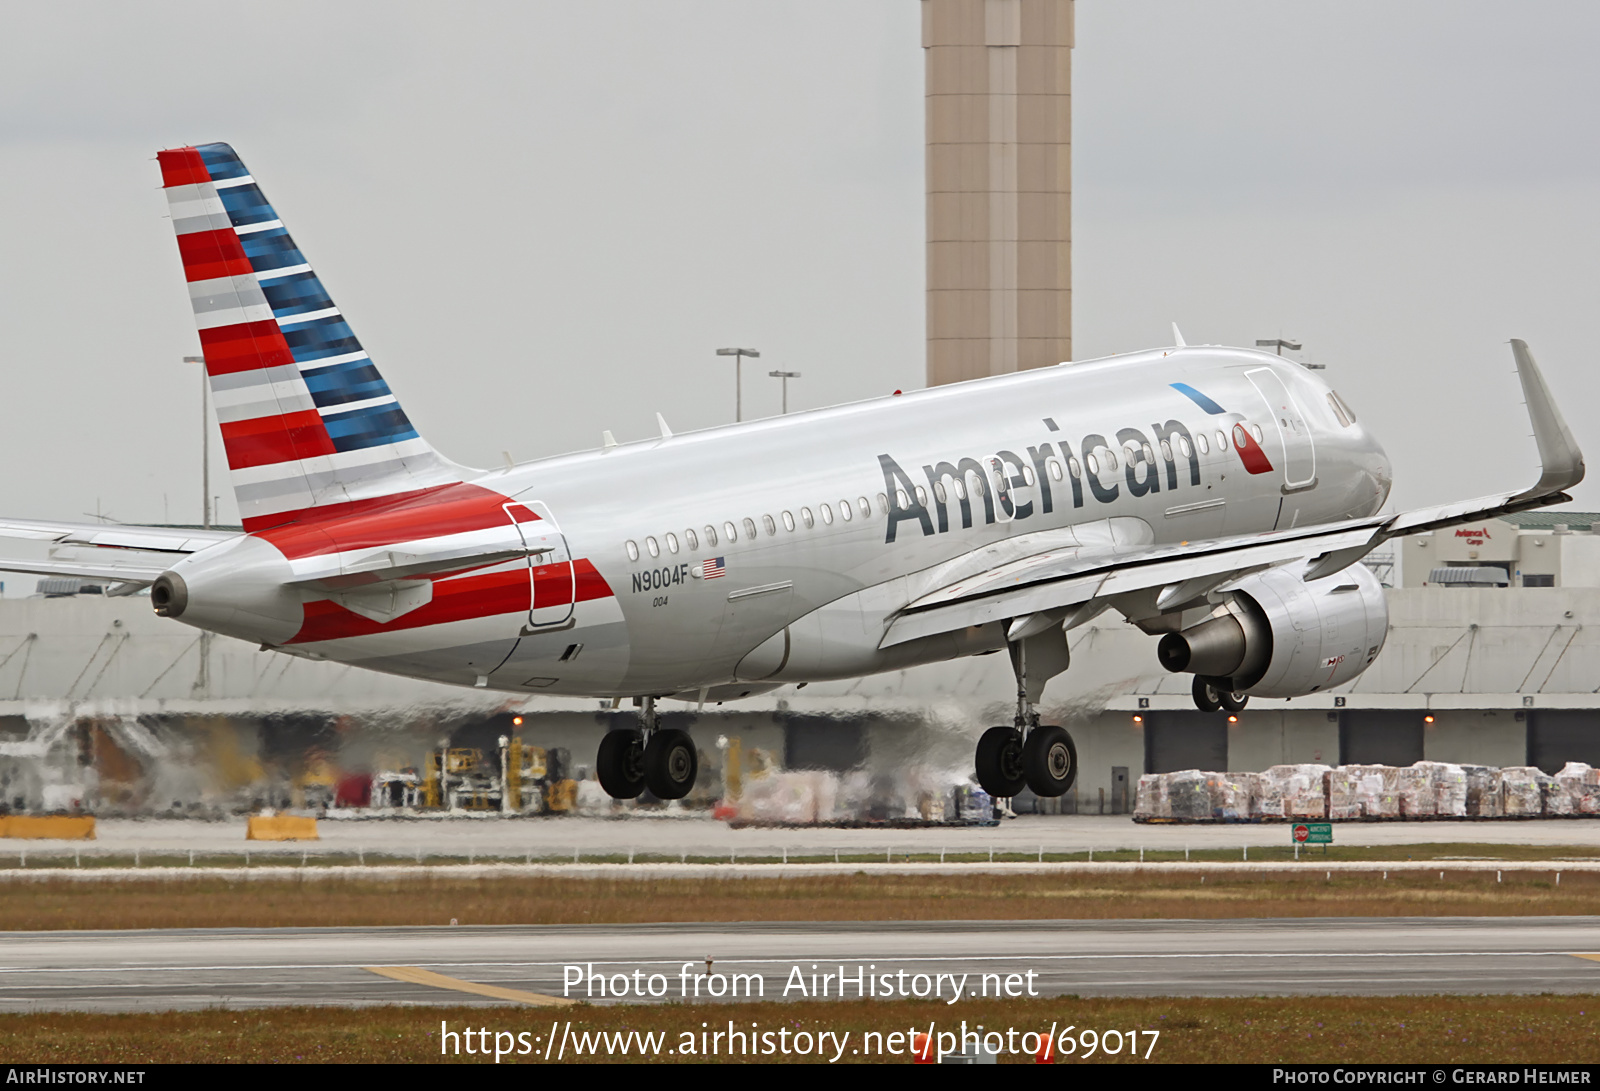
1185,740
823,742
1380,737
1557,736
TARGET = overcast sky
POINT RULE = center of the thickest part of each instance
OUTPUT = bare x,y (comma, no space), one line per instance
542,218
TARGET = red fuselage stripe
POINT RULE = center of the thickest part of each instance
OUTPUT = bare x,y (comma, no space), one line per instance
463,598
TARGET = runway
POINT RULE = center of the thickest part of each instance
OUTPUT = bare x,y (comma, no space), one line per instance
195,969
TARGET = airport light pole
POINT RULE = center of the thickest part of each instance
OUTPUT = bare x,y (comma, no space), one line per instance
1278,343
205,440
738,377
1293,346
785,376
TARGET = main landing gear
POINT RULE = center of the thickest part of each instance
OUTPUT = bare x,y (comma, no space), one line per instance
1210,695
1030,754
662,759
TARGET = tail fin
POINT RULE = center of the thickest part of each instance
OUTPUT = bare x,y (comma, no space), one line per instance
307,421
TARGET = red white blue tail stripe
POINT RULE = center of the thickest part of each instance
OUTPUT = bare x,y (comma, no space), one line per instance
306,419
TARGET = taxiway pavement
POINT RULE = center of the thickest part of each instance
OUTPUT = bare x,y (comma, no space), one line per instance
195,969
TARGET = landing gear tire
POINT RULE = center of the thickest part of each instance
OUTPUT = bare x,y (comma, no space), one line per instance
1233,702
620,764
1049,761
670,763
1207,698
999,762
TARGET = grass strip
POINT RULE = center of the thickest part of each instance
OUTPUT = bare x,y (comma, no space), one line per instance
51,904
1359,1030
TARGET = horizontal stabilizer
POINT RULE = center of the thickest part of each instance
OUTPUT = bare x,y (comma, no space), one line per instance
387,565
138,575
115,535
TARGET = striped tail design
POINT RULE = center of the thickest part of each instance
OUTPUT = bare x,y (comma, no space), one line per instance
307,421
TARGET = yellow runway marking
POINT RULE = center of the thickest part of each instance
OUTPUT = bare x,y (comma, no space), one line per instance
1590,957
417,976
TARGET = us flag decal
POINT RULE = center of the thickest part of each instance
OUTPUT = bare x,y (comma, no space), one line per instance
713,568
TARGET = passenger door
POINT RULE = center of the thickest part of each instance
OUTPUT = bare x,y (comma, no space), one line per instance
552,581
1299,454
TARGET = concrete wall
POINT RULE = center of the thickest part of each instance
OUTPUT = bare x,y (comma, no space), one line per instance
1476,737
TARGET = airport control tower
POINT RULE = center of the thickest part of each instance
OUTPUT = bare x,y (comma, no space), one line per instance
999,178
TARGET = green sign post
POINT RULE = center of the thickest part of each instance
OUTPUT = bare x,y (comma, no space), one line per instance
1312,833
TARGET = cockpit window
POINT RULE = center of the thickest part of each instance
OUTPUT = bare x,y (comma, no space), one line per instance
1341,410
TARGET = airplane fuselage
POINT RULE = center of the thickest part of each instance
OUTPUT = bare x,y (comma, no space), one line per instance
726,560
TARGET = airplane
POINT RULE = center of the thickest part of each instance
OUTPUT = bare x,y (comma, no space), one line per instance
1219,498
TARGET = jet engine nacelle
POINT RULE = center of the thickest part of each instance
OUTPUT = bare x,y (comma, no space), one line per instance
1279,636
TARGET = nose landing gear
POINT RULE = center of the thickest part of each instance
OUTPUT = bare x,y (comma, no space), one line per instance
1029,754
649,756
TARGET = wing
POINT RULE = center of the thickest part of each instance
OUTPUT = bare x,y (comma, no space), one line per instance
132,556
1067,584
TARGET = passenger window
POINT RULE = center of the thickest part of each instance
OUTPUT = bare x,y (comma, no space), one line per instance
711,536
1204,444
827,514
1183,447
807,518
960,485
1027,475
1055,469
788,521
883,505
672,542
772,528
1255,430
902,499
729,533
1222,442
690,539
1074,469
1241,438
749,528
1111,459
845,511
1166,451
866,507
633,550
1093,464
1149,455
922,496
938,492
650,544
